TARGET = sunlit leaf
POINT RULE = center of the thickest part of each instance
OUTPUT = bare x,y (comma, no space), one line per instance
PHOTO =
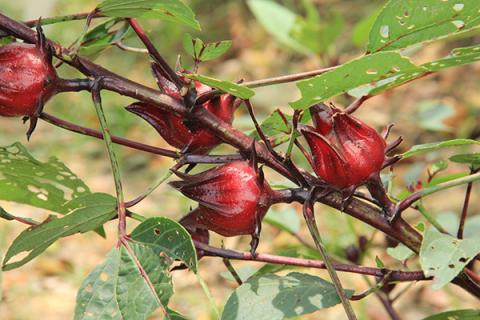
223,85
403,23
444,257
280,297
171,10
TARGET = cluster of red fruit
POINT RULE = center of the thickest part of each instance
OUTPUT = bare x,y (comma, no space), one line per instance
233,198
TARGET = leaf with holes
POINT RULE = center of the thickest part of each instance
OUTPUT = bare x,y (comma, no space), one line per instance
115,289
435,146
458,57
97,209
170,10
444,257
403,23
223,85
48,185
279,297
466,314
358,72
167,238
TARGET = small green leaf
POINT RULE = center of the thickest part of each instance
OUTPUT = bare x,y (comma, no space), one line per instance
48,185
280,297
444,257
37,239
277,127
167,238
379,262
358,72
115,289
278,21
435,146
200,51
437,167
403,23
400,252
170,10
286,220
223,85
103,36
466,314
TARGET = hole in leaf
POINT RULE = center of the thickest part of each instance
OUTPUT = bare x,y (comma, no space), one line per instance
156,231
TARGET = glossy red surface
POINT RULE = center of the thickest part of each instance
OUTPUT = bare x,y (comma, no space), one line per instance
232,199
345,151
172,128
25,78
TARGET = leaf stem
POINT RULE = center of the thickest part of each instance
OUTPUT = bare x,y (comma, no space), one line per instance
466,201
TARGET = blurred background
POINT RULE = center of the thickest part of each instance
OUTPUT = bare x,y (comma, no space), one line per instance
439,107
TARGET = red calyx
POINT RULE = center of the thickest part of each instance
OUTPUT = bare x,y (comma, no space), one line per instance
233,199
27,79
345,151
172,127
198,234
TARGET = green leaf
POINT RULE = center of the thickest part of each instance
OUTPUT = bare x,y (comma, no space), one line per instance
170,10
278,21
200,51
174,315
116,290
403,23
437,167
10,217
223,85
466,314
276,126
400,252
244,272
48,185
379,262
279,297
358,72
469,158
98,209
457,57
103,36
286,220
435,146
444,257
167,238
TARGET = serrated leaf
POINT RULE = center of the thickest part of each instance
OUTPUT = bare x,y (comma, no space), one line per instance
116,290
171,10
167,238
223,85
37,239
403,23
400,252
48,185
278,21
358,72
275,297
103,36
286,220
466,314
435,146
444,257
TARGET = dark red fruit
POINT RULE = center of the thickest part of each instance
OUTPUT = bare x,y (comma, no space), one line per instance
26,79
233,199
172,127
345,150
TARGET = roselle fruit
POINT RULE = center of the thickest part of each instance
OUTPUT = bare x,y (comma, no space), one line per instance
233,199
27,79
345,151
197,232
172,127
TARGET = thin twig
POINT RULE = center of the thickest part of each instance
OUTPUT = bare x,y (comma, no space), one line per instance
122,46
356,104
400,276
232,271
463,217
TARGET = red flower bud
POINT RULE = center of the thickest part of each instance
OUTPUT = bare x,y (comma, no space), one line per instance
233,198
345,150
172,127
26,79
